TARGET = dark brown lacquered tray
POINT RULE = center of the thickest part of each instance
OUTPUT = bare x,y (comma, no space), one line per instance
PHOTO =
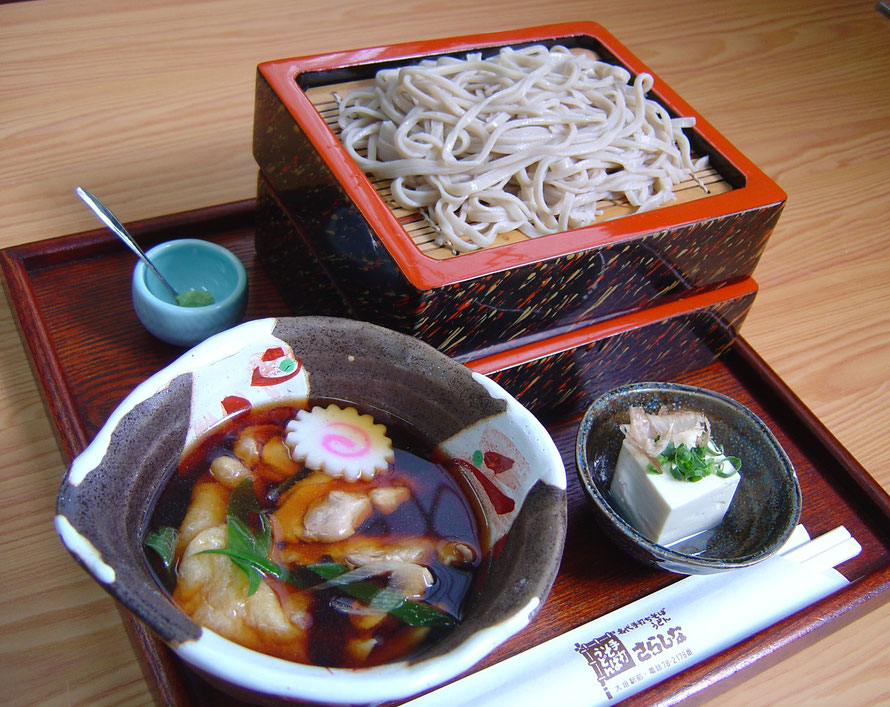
71,299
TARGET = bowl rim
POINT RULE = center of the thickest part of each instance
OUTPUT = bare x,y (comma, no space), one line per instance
142,290
664,556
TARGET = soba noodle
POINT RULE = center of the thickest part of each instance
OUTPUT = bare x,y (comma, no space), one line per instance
531,139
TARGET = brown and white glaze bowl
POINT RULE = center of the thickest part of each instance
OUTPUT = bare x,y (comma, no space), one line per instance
767,503
106,499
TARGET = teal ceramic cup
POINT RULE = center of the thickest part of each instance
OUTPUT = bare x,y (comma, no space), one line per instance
189,264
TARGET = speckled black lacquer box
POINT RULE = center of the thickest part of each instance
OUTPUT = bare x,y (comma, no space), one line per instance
335,242
560,374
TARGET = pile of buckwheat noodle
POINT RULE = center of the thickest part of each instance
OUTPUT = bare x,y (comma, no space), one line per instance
532,139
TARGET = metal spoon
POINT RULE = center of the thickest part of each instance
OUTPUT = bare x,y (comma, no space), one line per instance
110,220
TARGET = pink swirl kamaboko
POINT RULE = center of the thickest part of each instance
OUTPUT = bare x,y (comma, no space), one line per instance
340,442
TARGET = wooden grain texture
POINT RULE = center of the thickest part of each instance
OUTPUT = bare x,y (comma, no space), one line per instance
150,105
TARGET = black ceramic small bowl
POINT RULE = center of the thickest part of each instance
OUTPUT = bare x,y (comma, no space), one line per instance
767,503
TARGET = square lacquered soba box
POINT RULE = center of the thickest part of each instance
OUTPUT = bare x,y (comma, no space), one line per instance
329,233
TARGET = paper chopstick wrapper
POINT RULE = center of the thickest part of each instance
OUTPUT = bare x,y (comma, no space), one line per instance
643,643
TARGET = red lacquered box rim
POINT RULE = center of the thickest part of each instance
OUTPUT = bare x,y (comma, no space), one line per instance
427,273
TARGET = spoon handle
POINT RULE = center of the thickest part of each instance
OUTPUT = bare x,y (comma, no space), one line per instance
109,219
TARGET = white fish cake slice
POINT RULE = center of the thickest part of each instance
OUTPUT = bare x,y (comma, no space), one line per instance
340,442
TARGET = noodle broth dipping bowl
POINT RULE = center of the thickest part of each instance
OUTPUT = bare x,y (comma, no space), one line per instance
108,496
334,241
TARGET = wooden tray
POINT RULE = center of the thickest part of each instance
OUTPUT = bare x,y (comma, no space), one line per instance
71,299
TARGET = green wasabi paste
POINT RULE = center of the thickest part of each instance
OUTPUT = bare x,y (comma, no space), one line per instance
194,298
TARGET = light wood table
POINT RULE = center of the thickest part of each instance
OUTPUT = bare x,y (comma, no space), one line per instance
150,104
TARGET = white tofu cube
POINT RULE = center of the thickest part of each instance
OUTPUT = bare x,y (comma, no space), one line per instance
665,509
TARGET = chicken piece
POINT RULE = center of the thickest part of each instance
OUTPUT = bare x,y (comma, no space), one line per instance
336,516
454,553
355,551
276,464
367,549
213,591
248,447
405,579
287,520
207,508
410,580
229,471
387,498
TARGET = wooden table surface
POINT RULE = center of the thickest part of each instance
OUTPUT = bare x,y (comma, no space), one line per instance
149,103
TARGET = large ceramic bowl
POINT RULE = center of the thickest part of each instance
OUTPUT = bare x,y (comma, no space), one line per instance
107,496
764,510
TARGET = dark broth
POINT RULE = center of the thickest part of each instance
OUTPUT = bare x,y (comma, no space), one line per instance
438,510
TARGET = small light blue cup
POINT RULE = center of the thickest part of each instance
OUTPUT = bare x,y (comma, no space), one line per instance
189,264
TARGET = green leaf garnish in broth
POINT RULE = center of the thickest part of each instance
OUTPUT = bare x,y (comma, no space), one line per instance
249,550
163,542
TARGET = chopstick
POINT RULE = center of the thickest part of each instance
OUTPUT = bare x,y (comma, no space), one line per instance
689,621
